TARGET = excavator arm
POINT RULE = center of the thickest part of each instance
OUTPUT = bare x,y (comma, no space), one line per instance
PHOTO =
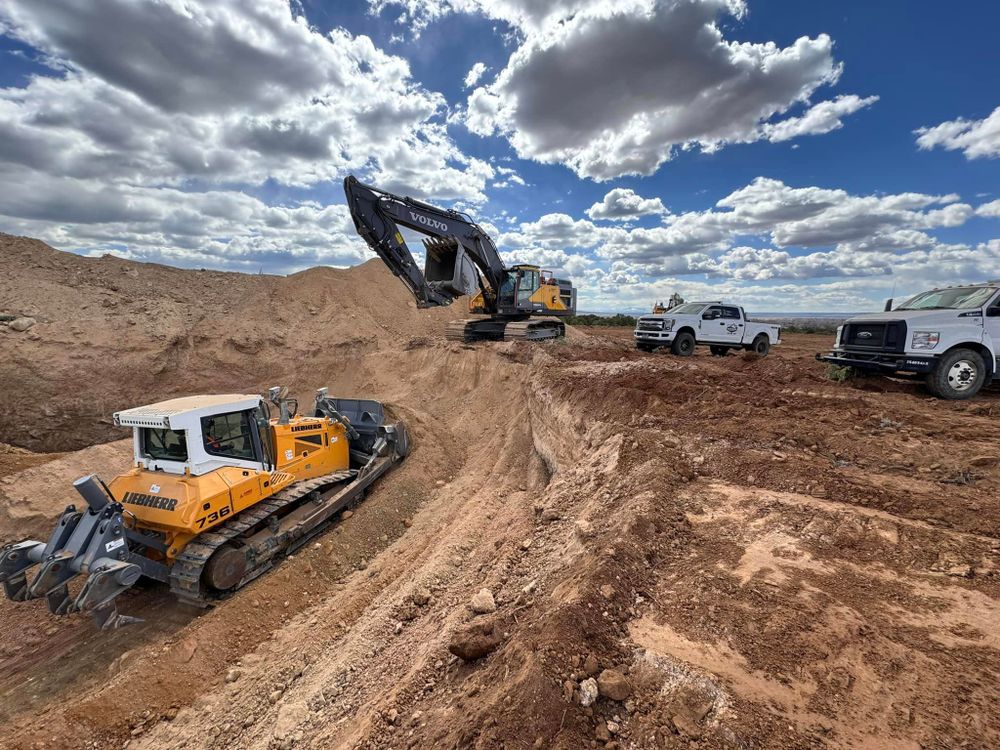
461,258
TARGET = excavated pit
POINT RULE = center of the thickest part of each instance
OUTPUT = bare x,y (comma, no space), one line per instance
771,560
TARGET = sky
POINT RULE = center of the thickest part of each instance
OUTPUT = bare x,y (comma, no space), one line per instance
783,155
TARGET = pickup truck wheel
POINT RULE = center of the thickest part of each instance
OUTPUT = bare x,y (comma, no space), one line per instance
761,345
958,375
719,351
683,345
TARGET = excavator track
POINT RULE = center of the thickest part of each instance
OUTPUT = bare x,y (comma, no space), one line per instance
187,572
501,329
534,329
476,329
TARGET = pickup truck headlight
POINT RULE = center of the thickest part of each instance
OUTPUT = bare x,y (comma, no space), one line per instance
925,339
668,324
836,341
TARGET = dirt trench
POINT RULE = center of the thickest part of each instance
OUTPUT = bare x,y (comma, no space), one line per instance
771,561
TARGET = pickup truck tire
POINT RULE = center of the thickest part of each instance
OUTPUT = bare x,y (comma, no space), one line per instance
719,351
683,345
958,375
761,345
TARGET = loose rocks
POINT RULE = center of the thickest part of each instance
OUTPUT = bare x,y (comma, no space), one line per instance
483,603
612,684
588,692
475,640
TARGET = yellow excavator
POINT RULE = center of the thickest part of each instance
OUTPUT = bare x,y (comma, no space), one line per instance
516,303
219,492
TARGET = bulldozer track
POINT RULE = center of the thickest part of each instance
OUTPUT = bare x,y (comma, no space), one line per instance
186,572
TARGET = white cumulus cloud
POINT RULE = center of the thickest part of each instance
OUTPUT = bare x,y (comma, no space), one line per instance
622,204
977,139
647,77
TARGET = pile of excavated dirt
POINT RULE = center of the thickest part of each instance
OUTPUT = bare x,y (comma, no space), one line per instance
109,333
705,552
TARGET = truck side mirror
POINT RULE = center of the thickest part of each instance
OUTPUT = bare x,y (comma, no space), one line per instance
888,305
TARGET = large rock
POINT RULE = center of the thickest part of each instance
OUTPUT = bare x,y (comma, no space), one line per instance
475,640
612,684
483,603
21,324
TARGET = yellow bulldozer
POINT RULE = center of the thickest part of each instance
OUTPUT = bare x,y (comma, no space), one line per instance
221,489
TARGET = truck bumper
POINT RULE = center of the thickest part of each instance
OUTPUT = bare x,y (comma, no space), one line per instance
655,338
886,363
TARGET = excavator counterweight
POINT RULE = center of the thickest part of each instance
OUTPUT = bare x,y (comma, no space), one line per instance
519,302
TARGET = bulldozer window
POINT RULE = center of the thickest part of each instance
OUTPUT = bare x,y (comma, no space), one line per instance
228,435
165,445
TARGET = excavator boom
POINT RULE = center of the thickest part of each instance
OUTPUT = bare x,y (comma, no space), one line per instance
458,249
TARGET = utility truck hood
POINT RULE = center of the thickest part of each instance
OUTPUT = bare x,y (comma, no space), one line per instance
910,316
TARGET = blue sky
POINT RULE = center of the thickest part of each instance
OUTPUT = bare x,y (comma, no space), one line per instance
786,155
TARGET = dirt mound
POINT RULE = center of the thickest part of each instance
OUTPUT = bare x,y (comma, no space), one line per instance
111,333
32,498
704,552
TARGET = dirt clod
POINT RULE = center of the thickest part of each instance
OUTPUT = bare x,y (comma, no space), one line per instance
483,602
613,684
475,640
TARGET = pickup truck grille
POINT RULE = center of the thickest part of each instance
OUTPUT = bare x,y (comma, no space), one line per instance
882,336
650,325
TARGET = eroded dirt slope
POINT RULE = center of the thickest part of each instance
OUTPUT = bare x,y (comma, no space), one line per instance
769,559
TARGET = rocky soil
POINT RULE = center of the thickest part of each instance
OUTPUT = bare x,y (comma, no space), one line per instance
588,547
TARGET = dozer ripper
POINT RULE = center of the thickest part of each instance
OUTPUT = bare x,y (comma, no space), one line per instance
220,491
516,303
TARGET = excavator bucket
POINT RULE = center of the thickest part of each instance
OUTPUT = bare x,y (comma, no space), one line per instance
448,267
91,543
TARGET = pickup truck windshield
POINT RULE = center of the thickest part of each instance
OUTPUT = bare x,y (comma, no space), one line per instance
965,298
691,308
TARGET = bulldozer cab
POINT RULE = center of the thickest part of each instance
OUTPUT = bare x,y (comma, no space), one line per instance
198,434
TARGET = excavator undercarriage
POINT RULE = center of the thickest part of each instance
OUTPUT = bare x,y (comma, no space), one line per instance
498,328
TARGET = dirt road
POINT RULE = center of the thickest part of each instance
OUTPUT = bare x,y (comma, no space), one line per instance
768,559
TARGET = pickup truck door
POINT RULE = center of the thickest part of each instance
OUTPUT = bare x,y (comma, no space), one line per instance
991,322
722,324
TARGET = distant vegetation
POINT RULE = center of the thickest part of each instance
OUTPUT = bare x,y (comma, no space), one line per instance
602,320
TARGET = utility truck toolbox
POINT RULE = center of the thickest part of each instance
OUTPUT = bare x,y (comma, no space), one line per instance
950,336
719,326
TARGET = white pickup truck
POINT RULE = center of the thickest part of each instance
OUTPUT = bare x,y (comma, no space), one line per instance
951,336
722,327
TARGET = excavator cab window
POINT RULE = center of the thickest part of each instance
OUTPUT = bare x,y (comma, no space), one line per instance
228,435
506,296
527,286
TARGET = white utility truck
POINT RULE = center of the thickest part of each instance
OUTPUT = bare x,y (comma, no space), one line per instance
951,336
722,327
